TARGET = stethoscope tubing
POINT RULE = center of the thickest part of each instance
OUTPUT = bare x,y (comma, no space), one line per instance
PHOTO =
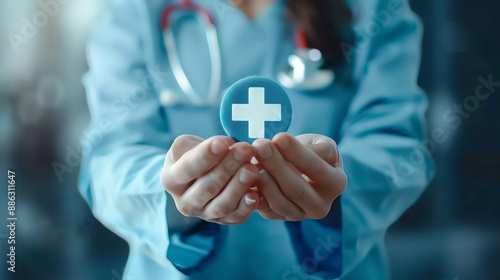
305,61
205,18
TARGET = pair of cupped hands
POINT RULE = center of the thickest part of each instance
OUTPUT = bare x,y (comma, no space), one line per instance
288,178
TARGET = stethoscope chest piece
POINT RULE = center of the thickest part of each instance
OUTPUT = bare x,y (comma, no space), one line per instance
304,71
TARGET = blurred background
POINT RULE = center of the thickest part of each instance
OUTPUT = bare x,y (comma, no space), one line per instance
452,232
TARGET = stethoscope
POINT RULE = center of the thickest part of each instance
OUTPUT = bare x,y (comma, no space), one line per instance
303,72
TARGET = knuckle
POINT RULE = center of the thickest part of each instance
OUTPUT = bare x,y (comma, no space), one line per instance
245,149
295,195
316,168
266,215
181,173
235,222
219,178
205,155
186,210
267,211
283,211
208,191
164,178
231,167
222,210
320,213
340,185
166,181
240,214
276,168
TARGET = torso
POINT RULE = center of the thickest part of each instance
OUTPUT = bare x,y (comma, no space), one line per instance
255,42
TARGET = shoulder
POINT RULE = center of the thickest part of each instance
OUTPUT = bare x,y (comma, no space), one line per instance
375,18
138,12
137,20
380,25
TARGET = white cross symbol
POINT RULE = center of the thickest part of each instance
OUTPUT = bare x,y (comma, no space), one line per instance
256,112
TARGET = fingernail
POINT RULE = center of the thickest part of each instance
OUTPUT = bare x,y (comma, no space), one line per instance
283,142
264,149
338,156
249,201
246,177
218,147
241,154
228,141
254,161
263,176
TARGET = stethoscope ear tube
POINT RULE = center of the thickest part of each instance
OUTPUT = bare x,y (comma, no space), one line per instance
216,62
177,69
205,18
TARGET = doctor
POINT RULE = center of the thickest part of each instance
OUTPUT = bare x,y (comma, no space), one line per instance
194,205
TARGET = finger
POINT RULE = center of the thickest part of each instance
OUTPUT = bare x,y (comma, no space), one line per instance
292,185
211,184
309,163
325,151
183,144
247,205
277,201
266,212
196,162
312,138
227,201
180,146
323,146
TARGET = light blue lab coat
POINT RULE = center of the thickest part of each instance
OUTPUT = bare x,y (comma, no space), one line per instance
374,110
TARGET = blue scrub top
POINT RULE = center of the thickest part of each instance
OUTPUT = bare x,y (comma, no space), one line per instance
374,110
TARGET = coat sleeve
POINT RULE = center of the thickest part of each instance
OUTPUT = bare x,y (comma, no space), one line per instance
382,143
125,145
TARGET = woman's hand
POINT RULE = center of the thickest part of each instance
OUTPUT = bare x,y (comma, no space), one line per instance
211,179
300,177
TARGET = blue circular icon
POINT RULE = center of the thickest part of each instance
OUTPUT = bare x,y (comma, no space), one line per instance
255,107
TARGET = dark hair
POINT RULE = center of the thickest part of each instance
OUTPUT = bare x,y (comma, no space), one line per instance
323,22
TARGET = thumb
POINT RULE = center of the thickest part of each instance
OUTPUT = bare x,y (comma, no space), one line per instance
181,145
325,147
